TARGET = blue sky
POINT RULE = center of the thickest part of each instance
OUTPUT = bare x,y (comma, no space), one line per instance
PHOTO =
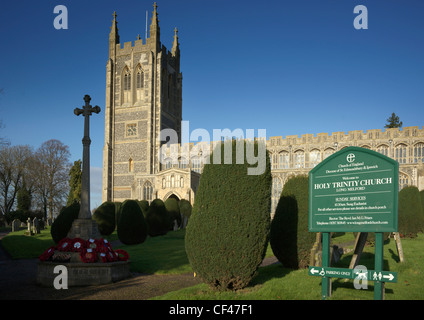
290,67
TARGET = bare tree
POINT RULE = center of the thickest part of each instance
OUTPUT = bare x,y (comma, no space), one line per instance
13,165
50,175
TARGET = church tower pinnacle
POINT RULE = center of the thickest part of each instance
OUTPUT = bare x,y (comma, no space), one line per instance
175,46
113,37
154,26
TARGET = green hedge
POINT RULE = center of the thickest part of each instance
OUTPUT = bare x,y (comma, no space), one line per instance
63,223
227,234
132,227
158,218
105,218
171,205
290,239
144,206
410,213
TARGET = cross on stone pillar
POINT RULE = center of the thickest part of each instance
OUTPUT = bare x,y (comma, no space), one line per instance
86,111
84,227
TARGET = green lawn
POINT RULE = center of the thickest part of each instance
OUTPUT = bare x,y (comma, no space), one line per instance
20,246
166,255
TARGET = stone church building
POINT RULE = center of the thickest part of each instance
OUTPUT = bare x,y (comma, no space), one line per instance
144,96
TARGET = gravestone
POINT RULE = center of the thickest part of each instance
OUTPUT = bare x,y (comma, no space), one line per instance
29,229
15,225
36,226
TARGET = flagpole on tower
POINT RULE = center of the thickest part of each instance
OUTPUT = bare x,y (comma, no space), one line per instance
146,25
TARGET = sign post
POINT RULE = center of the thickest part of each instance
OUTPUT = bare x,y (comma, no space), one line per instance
354,190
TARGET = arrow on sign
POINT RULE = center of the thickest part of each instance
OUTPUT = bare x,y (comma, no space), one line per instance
390,277
313,271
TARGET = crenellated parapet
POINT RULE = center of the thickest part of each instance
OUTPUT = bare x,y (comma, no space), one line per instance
341,138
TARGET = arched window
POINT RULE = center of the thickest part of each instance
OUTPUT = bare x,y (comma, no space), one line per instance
172,181
182,163
181,182
314,158
148,191
163,183
130,165
168,163
403,180
400,153
283,160
328,152
196,165
419,152
274,161
127,85
299,159
383,149
139,82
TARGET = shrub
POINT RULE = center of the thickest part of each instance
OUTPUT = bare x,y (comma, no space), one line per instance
144,206
227,234
158,219
117,207
105,218
290,239
185,210
171,205
132,227
63,223
410,213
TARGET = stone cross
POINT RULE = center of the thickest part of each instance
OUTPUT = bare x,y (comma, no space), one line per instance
86,111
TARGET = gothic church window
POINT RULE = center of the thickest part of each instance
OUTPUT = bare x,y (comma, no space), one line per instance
283,160
328,152
383,149
299,159
130,165
182,163
139,82
419,152
196,165
127,85
148,191
400,153
314,158
403,180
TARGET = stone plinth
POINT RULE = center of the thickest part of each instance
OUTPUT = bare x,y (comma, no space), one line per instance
84,274
84,229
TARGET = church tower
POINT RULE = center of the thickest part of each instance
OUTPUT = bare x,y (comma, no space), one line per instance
143,96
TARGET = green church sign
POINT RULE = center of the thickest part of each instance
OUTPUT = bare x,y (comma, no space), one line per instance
354,190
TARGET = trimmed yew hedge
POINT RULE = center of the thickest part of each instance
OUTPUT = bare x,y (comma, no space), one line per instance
105,218
410,213
227,233
63,223
171,205
158,218
132,227
290,239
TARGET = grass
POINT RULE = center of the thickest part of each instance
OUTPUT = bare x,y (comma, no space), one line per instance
276,282
20,246
166,255
160,255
